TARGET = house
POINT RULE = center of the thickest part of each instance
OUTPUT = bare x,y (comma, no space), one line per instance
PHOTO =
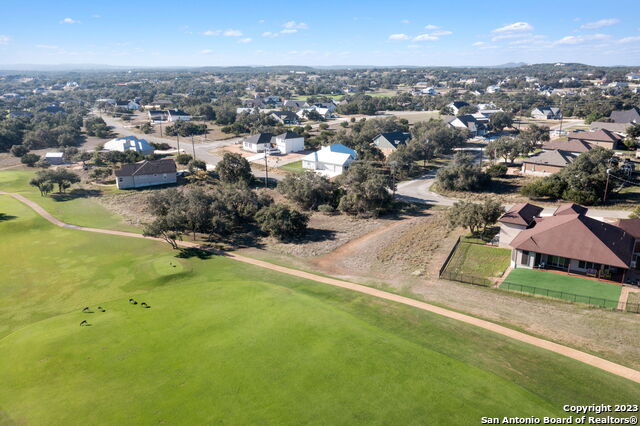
475,126
573,146
633,76
286,142
177,115
546,113
627,116
515,220
129,143
325,113
285,117
157,115
146,173
456,106
54,158
328,105
571,241
390,141
493,89
294,105
330,160
602,137
159,104
619,128
547,162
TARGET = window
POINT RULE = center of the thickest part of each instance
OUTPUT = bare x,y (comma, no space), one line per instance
524,260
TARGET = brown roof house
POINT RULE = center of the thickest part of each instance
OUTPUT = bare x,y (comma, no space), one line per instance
547,162
515,220
146,173
571,241
573,146
603,137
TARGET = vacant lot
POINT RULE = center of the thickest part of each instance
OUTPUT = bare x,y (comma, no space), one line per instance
479,260
295,167
563,286
234,343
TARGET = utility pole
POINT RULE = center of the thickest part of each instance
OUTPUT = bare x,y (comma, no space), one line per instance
178,139
606,188
193,147
561,116
266,170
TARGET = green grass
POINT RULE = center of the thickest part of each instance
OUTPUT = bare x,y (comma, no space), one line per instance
295,167
563,286
230,343
82,211
479,260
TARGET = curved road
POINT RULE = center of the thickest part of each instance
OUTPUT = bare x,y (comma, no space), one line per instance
594,361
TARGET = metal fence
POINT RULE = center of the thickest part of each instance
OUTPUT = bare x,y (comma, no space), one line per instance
448,259
572,297
464,278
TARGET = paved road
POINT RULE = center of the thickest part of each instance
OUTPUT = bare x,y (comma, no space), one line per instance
594,361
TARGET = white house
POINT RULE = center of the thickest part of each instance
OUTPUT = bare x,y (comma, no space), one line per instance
257,143
178,115
54,157
330,160
129,143
289,142
633,76
146,173
493,89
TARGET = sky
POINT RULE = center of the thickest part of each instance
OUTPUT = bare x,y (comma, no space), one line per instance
419,33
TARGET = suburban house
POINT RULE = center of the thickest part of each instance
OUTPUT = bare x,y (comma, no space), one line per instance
493,89
129,143
285,117
177,115
157,115
390,141
328,105
571,241
146,173
628,116
619,128
573,146
604,138
130,105
547,162
633,76
54,158
546,113
323,112
330,160
474,125
517,219
456,106
286,142
294,105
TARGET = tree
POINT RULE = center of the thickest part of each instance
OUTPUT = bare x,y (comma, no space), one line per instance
309,190
434,138
40,182
500,120
367,190
475,215
282,222
62,177
633,131
535,134
196,165
19,150
234,168
462,174
169,228
506,147
183,159
170,219
30,159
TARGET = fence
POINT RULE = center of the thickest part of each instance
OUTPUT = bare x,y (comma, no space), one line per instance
446,262
572,297
464,278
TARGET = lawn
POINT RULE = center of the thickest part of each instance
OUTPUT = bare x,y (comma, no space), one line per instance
479,260
225,342
563,287
295,167
79,208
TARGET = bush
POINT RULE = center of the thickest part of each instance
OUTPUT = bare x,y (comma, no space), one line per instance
233,168
462,174
162,146
183,159
497,170
282,222
309,190
327,209
30,159
19,150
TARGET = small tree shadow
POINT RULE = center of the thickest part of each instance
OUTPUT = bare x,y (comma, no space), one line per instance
5,217
76,193
186,253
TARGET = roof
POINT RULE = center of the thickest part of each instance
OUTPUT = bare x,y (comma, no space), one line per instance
287,115
289,135
551,158
521,214
458,104
602,135
572,145
178,112
259,138
570,208
54,155
626,116
332,154
395,138
128,143
547,110
580,237
631,226
145,167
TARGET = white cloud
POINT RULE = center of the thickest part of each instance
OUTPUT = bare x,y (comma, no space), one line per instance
295,25
269,34
4,39
206,52
516,26
245,40
405,21
572,40
425,37
69,21
46,46
399,37
441,33
599,24
289,31
629,39
261,21
479,44
508,36
232,33
212,33
431,27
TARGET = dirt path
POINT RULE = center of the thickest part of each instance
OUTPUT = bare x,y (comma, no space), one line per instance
575,354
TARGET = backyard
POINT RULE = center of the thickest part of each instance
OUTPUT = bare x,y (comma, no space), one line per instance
228,342
562,286
295,167
479,260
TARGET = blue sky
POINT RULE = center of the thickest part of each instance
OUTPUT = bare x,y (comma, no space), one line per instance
196,33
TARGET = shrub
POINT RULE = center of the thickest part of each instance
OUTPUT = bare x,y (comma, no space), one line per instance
183,159
282,222
497,170
309,190
30,159
327,209
19,150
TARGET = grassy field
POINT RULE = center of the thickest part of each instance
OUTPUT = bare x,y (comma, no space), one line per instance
295,167
479,260
78,208
541,281
227,342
